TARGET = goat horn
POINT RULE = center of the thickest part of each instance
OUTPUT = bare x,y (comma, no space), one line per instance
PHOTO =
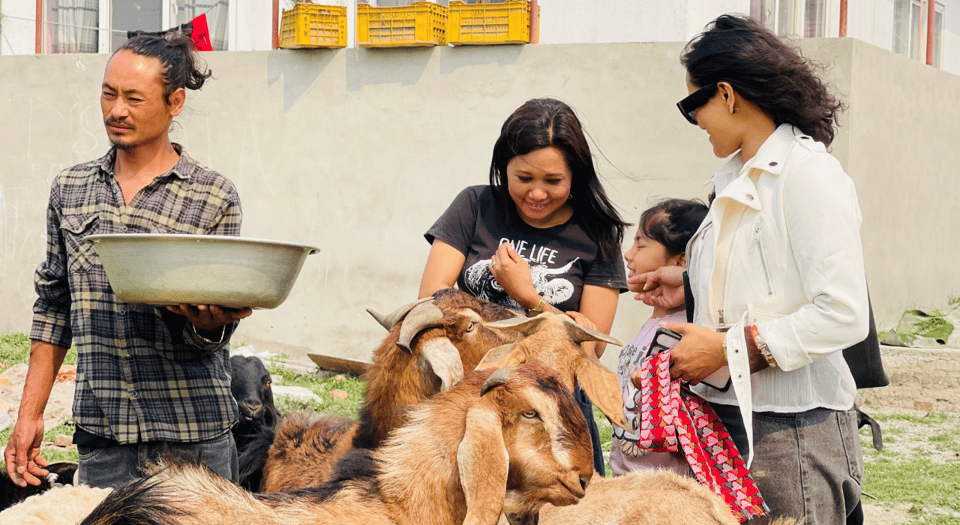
444,359
390,320
422,316
499,377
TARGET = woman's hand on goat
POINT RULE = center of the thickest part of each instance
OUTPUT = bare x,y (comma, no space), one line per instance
698,354
210,317
662,287
513,274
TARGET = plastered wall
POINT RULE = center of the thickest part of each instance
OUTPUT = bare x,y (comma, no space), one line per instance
358,151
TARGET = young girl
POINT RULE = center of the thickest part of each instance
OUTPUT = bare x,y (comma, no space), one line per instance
660,241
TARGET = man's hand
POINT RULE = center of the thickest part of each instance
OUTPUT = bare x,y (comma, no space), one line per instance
210,317
25,465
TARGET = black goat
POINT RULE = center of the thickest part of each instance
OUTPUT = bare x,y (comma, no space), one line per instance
250,385
10,493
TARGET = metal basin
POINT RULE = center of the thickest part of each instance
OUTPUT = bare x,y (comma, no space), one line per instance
235,272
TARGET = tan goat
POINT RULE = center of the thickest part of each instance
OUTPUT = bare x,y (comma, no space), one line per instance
555,339
510,440
430,344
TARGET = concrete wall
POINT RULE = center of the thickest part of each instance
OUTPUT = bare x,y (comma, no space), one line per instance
358,152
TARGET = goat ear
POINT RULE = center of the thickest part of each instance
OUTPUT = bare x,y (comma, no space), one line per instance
388,321
444,359
483,463
524,325
421,317
502,356
602,387
580,334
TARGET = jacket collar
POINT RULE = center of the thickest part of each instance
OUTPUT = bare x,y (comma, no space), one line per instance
732,179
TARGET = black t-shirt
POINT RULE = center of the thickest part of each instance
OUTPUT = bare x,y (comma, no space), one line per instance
562,258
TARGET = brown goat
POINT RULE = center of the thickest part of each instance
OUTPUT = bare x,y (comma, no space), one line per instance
555,339
506,441
430,344
650,497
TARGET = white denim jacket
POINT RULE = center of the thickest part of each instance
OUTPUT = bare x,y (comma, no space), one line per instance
793,267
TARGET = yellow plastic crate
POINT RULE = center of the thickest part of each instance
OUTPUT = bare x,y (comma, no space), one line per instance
479,24
314,26
420,24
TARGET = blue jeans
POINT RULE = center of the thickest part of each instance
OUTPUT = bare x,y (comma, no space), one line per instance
117,465
806,465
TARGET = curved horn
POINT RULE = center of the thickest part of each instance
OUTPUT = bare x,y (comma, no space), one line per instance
422,316
499,377
444,359
390,320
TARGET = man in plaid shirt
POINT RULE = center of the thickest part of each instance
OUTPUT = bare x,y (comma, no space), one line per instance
148,378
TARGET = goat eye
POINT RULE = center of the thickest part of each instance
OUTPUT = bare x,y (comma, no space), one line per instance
531,414
267,384
472,326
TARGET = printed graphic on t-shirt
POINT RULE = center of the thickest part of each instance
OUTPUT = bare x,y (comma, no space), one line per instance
547,281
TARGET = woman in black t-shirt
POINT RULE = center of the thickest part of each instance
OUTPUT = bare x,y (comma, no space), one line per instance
542,236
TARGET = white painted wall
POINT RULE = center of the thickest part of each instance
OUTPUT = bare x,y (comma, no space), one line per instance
17,28
358,151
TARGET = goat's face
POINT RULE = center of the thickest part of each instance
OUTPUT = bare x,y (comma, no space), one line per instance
250,386
548,445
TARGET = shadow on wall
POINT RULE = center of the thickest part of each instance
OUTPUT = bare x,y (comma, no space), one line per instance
403,66
452,58
299,68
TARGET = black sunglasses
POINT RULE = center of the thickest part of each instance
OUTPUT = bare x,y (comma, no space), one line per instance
694,101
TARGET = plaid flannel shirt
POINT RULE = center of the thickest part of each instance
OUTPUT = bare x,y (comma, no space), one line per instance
143,373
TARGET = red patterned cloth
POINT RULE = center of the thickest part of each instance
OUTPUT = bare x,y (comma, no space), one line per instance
672,415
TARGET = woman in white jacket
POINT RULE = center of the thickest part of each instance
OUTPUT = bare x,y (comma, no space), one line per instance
776,272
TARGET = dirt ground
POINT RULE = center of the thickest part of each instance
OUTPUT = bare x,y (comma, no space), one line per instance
921,381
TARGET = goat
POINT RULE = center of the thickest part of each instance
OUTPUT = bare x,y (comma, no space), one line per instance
430,343
250,384
60,473
57,505
506,441
555,339
648,497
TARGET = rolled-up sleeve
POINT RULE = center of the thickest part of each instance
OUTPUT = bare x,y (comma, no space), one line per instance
51,310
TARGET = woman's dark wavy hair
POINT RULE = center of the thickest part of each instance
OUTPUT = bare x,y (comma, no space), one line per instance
672,222
182,68
766,71
545,122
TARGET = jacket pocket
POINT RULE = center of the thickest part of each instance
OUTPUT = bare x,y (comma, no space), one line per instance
81,255
764,261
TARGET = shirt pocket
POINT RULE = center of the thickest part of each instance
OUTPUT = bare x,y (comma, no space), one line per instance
81,255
